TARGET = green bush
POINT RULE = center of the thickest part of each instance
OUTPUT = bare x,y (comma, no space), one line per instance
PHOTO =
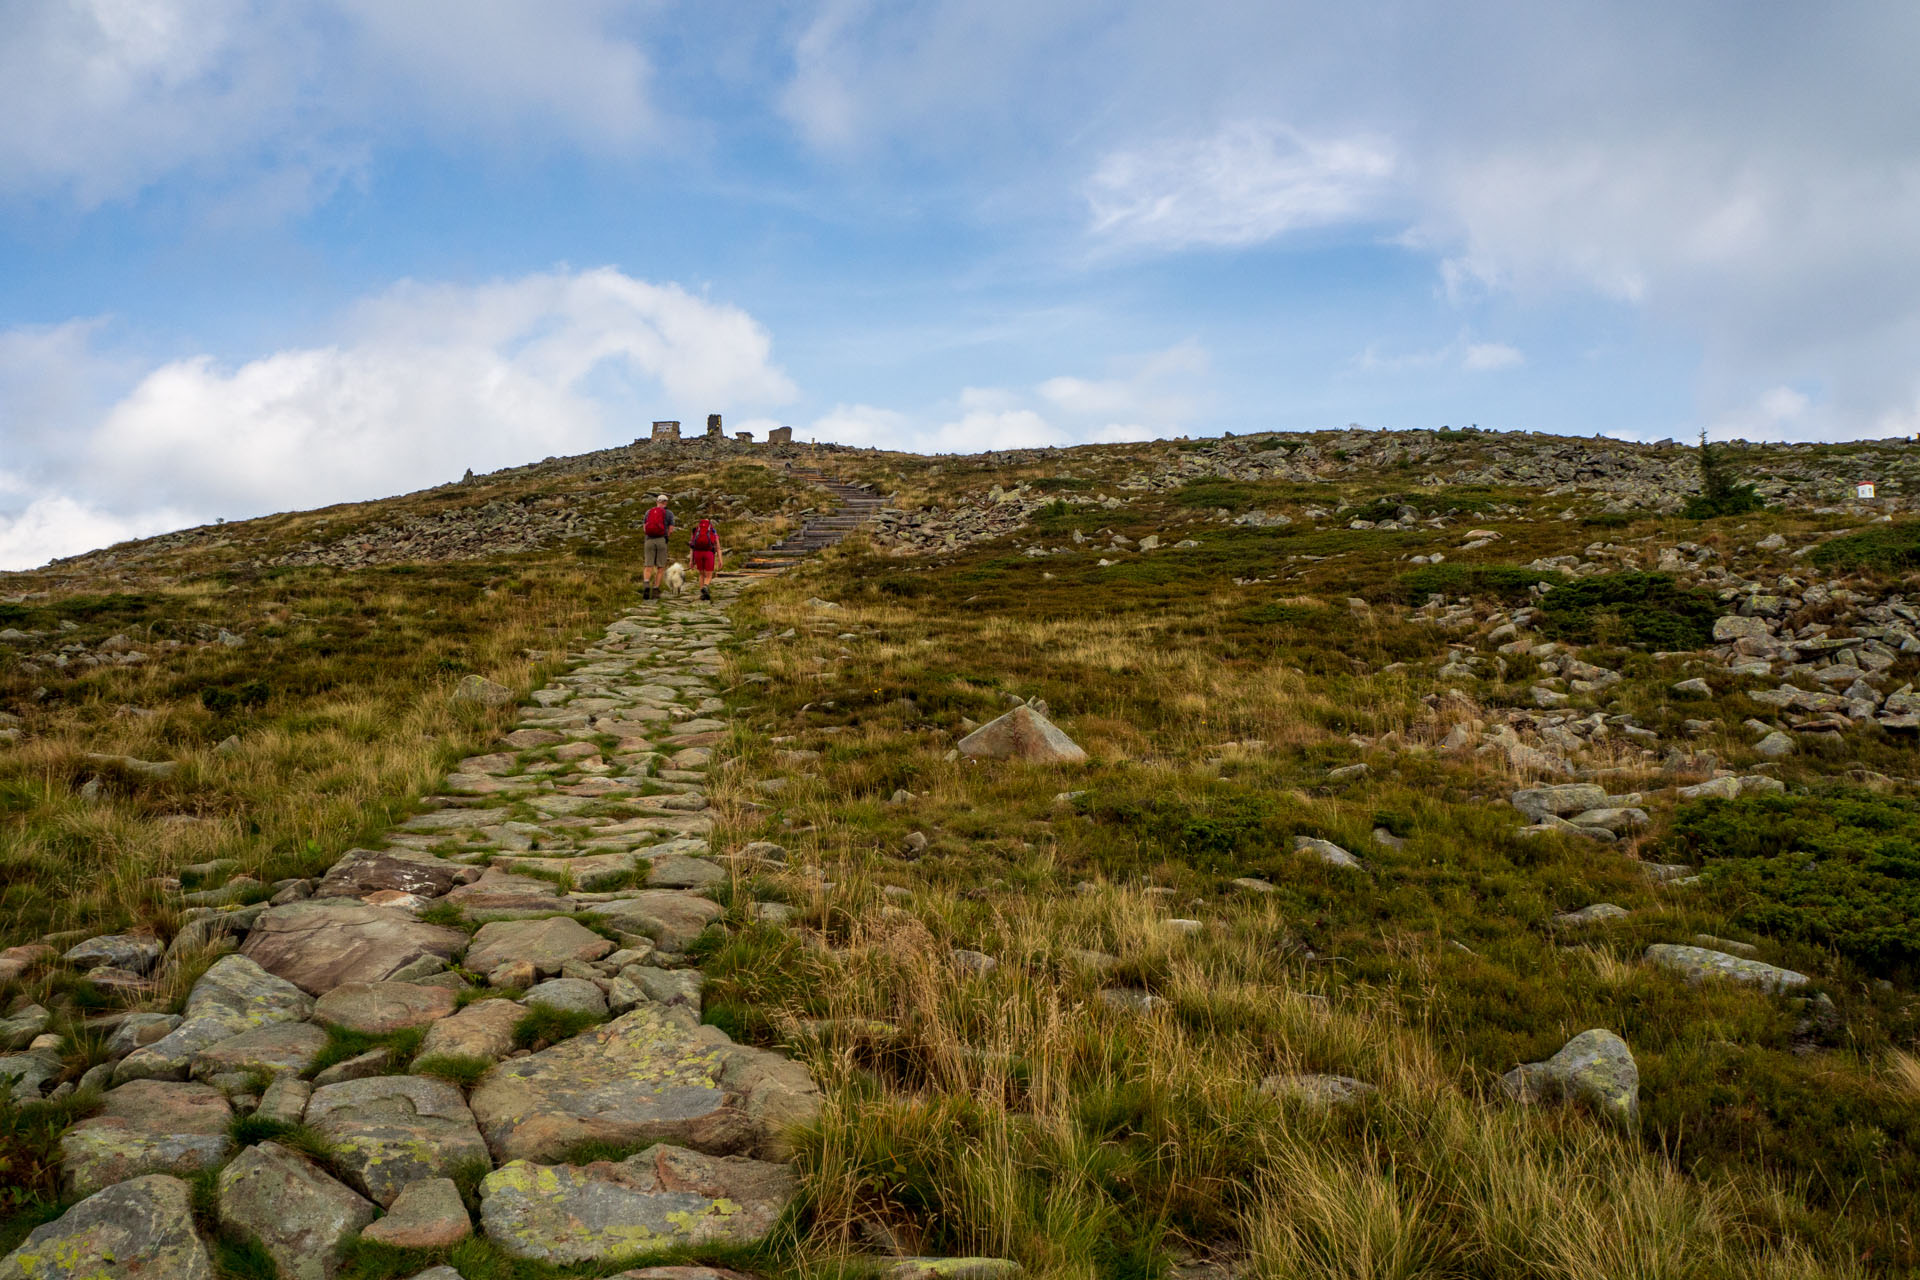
1505,582
1646,610
1231,494
1839,871
1887,547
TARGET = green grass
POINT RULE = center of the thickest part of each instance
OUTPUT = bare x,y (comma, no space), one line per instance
343,1044
461,1069
543,1024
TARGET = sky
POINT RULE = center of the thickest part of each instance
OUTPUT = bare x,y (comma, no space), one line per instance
266,256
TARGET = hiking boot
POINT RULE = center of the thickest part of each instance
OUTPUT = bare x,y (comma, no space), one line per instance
705,594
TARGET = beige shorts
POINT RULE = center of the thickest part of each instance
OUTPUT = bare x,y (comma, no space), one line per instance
656,557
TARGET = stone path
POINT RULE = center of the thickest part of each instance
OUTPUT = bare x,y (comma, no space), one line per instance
592,811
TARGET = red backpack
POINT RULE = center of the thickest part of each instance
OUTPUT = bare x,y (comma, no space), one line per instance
657,522
704,537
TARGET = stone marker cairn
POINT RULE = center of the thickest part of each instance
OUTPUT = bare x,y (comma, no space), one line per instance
780,435
666,432
744,437
713,427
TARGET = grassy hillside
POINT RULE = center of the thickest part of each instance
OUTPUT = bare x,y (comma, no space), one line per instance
1107,1096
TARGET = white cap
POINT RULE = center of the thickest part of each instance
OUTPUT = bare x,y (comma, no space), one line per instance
662,499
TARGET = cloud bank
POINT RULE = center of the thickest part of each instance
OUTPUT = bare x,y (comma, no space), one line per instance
425,381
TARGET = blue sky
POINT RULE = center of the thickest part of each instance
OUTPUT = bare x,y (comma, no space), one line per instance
261,256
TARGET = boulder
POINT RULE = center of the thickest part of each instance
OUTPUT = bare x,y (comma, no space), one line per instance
318,945
676,990
1595,1067
1327,851
1775,746
1021,734
19,1030
1696,963
377,1008
363,871
137,1030
1316,1090
574,995
479,691
484,1029
1539,803
141,1229
146,1126
285,1100
1598,913
232,996
500,891
427,1214
642,1078
300,1216
545,944
1734,627
133,952
388,1131
662,1197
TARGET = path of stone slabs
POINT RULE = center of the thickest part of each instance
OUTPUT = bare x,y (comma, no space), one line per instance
525,840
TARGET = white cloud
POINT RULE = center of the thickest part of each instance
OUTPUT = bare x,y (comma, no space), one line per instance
1483,357
1245,183
100,98
58,526
1472,357
426,381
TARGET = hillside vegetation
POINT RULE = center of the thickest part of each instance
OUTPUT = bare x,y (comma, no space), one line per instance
1127,1017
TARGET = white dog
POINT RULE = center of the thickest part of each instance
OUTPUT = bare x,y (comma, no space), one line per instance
676,580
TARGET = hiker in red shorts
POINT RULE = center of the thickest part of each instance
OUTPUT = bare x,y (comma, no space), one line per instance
704,554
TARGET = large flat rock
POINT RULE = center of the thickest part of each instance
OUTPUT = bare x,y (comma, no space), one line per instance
643,1078
317,946
484,1029
283,1048
670,918
545,944
388,1131
363,871
147,1126
141,1229
378,1008
662,1197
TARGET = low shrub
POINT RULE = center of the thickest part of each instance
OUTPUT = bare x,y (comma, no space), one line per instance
1835,870
1505,582
1645,610
1889,548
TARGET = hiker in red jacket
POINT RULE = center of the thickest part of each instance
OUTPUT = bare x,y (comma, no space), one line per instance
653,565
704,554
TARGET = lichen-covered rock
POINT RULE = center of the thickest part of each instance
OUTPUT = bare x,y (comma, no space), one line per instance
300,1216
1598,913
642,1078
427,1214
481,691
378,1008
1699,962
141,1229
1327,851
545,944
574,995
134,952
282,1048
318,945
1022,734
1559,800
137,1030
146,1126
363,871
484,1029
669,919
1316,1090
388,1131
1594,1067
662,1197
18,1030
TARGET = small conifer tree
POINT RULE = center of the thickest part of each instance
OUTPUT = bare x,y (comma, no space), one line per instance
1720,494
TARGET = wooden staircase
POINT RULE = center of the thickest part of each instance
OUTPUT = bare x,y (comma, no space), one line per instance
857,504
